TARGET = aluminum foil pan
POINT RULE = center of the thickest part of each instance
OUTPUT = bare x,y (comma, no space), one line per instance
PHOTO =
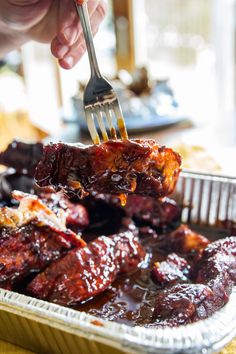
208,202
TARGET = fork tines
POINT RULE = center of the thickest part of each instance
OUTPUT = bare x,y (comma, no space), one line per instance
105,114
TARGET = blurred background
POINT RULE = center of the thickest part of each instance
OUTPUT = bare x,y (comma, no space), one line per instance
173,64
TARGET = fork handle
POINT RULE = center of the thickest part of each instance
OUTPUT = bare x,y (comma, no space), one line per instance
82,10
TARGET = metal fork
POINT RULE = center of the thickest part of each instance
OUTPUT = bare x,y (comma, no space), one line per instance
100,100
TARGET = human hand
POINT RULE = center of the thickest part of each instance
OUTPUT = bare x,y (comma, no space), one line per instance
49,21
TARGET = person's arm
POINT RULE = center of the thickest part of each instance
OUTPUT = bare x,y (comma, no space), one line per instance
47,21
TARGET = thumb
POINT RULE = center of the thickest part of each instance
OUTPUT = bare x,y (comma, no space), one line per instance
23,14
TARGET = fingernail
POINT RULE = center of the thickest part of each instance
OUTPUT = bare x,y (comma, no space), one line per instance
62,51
70,34
69,61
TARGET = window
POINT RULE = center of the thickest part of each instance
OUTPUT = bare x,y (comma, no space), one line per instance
191,43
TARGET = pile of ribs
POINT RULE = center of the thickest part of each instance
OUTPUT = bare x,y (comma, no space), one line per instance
100,233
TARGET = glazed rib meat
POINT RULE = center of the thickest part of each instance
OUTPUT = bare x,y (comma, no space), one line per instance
77,218
183,304
158,213
116,167
84,273
171,271
217,268
186,303
187,241
23,157
31,237
161,213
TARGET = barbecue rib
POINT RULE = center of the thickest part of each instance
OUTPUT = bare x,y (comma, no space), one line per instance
77,217
86,272
117,166
183,303
171,271
217,268
31,237
186,303
23,157
185,240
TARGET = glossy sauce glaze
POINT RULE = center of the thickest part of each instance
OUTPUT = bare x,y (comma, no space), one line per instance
114,167
181,279
132,298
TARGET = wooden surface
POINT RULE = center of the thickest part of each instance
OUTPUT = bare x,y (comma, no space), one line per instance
230,349
7,348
